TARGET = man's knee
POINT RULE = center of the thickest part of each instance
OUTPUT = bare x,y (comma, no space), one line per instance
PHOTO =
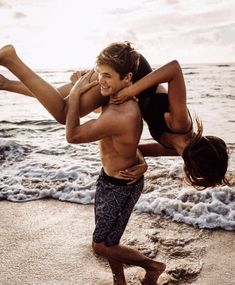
99,248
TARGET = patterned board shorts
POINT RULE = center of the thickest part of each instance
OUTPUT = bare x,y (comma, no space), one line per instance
114,202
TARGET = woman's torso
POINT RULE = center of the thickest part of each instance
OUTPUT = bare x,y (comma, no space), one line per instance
154,106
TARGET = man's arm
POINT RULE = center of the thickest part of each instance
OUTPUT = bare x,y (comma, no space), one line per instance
92,130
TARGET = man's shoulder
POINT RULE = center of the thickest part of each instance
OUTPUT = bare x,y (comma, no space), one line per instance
123,114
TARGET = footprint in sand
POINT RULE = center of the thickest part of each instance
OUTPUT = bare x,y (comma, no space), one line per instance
164,278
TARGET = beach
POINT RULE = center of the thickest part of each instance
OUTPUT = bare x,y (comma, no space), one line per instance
47,190
48,242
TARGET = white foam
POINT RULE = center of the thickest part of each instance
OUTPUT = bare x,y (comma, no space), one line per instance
36,162
214,208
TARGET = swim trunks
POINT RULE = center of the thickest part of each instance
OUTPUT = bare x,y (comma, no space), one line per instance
114,202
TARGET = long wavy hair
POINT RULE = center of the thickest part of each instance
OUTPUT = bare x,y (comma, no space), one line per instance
205,160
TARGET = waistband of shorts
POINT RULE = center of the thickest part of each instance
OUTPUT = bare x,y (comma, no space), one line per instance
114,180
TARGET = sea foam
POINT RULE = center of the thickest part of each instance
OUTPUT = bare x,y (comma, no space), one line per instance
36,161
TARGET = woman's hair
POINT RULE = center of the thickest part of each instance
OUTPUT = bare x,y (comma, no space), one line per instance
206,160
121,57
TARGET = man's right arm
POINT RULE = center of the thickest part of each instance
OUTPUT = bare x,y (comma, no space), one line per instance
93,130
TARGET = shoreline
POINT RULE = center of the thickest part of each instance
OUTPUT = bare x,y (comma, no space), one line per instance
45,242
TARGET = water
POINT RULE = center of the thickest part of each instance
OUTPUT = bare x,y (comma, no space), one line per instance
36,161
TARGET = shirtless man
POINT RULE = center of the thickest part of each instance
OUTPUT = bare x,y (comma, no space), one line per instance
118,130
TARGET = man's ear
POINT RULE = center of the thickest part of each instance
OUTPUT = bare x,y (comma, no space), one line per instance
128,77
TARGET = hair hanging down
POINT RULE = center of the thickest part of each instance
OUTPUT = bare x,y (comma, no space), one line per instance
121,57
206,160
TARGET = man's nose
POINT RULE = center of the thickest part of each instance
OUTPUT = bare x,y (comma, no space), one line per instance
101,80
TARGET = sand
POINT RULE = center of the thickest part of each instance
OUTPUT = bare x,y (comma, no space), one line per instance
48,242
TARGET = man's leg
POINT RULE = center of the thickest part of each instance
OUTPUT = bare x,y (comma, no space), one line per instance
118,272
130,256
113,207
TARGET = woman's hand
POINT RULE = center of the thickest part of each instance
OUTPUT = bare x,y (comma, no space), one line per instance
133,173
122,96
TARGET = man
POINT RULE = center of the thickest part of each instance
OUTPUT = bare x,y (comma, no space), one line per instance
118,130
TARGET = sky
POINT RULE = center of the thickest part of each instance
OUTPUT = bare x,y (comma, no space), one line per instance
71,33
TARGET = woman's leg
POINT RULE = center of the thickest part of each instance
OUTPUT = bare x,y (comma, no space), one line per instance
46,94
18,87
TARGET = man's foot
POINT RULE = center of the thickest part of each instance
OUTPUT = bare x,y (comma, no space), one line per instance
110,283
151,277
7,53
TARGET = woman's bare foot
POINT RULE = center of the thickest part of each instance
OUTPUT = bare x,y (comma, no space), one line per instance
90,75
7,54
152,275
75,76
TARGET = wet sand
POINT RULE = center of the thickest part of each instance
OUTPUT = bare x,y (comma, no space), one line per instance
48,242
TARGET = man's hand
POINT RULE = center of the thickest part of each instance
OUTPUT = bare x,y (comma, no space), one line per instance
72,119
82,85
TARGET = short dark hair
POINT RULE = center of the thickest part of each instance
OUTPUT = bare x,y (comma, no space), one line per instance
120,56
205,160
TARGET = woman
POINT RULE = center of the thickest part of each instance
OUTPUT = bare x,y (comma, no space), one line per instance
167,116
170,124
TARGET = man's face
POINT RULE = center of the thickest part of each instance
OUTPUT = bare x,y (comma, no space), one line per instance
109,80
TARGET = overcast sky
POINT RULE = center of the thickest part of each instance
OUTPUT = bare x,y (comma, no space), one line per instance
70,33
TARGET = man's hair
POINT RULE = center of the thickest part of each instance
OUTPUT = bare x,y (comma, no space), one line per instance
205,160
121,57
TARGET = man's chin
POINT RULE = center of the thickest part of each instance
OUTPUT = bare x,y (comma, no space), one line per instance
105,94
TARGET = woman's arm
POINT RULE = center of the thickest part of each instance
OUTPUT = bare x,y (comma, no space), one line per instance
144,150
170,73
135,172
155,150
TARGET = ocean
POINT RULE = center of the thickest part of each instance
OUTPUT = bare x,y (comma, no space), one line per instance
36,161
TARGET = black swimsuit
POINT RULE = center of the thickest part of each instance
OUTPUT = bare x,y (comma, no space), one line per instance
153,106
